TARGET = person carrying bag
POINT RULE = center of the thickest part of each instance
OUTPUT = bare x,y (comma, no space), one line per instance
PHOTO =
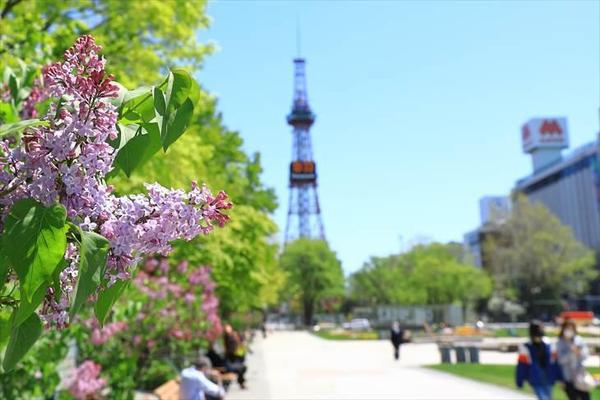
572,352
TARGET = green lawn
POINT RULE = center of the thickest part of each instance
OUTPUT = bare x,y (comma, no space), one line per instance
502,375
347,335
505,332
524,332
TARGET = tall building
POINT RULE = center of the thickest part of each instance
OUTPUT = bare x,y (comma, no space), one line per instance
304,212
492,211
568,185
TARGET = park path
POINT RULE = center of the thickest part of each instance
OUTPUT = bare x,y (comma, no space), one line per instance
298,365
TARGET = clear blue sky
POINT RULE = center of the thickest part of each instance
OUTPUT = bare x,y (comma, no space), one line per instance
419,104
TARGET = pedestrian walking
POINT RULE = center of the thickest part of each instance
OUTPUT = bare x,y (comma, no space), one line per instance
572,352
537,363
397,337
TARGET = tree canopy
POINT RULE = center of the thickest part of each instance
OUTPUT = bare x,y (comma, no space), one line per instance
536,260
427,274
140,38
313,274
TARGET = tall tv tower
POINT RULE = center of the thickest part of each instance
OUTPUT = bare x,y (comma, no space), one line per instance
304,213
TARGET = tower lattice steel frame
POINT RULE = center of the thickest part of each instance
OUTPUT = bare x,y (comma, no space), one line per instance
304,212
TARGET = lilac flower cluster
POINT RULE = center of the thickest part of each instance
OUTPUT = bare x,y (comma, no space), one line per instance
85,381
67,162
102,334
147,224
176,297
38,94
210,302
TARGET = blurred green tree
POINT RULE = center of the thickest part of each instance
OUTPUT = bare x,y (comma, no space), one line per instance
536,260
313,274
140,38
427,274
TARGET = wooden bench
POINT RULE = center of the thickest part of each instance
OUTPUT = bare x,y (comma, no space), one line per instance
170,389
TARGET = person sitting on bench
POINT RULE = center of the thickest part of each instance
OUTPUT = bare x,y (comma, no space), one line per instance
220,363
195,384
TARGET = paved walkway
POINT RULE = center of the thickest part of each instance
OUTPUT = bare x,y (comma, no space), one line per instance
298,365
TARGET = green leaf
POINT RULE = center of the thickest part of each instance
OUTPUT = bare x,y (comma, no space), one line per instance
159,101
3,264
4,327
26,307
35,242
7,73
28,73
92,255
126,133
14,87
173,122
16,127
24,92
7,114
107,298
43,106
3,269
178,123
180,88
138,103
138,94
139,148
22,338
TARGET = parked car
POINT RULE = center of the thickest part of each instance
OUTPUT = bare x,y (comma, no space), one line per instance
357,324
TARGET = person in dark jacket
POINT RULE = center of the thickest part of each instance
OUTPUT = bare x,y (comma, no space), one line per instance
224,365
397,338
537,363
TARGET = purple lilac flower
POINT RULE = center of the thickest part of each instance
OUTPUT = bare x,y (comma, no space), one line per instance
101,335
67,162
85,381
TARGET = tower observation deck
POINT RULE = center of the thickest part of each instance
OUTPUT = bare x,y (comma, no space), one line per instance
304,212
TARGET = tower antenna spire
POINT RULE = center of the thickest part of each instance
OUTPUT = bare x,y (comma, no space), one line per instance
298,37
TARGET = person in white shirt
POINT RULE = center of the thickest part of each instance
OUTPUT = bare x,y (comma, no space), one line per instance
196,386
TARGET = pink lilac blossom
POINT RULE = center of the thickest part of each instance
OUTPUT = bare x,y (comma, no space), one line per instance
38,94
85,381
182,267
210,302
155,283
101,335
180,334
67,162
